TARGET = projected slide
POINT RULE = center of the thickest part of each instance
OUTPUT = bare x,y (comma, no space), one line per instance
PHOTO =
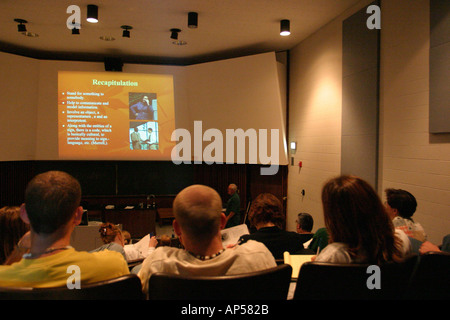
117,116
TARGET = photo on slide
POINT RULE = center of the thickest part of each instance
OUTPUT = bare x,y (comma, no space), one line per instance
143,106
144,135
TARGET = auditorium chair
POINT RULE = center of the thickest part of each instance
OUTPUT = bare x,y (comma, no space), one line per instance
431,278
332,281
269,284
127,287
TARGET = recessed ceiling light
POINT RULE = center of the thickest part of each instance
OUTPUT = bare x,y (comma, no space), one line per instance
107,38
30,34
179,42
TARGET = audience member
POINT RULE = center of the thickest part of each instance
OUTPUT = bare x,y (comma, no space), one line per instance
12,228
401,206
112,238
359,227
165,240
305,223
198,221
233,209
266,215
52,209
319,240
126,237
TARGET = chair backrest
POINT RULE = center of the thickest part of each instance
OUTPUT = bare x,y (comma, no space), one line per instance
269,284
321,281
431,279
127,287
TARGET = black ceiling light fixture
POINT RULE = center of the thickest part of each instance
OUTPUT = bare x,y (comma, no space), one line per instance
92,13
174,33
21,27
192,20
126,31
285,28
75,30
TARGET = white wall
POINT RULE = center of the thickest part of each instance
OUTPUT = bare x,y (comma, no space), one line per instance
230,94
410,158
18,105
315,116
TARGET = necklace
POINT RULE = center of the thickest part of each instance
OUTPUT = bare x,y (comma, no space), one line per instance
203,258
48,250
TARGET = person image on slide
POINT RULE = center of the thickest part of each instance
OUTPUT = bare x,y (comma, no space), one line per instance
152,141
136,140
142,110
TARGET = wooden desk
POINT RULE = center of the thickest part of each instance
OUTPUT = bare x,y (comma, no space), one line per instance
138,222
165,215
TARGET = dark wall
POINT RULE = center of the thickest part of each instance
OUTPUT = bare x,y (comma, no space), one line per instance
137,178
360,97
439,66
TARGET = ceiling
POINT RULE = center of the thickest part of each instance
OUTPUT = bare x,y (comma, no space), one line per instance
226,28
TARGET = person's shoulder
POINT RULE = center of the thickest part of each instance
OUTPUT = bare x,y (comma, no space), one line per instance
165,252
335,252
101,256
252,246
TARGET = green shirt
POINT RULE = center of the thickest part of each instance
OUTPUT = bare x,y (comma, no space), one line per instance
233,205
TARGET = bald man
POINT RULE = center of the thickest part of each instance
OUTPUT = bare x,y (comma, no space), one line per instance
198,222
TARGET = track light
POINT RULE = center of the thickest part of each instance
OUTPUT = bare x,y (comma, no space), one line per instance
126,31
92,13
174,34
21,27
285,28
192,20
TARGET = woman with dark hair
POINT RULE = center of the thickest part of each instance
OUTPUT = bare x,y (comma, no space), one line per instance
359,227
266,215
401,206
12,228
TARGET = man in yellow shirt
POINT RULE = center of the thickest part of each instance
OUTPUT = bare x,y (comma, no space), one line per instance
52,208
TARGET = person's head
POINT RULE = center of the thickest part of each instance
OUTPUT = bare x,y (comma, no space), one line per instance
355,215
305,222
12,228
136,129
266,208
198,214
400,203
110,232
232,188
126,237
146,100
52,203
165,240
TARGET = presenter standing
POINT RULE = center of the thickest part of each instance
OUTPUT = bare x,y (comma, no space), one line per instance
233,208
